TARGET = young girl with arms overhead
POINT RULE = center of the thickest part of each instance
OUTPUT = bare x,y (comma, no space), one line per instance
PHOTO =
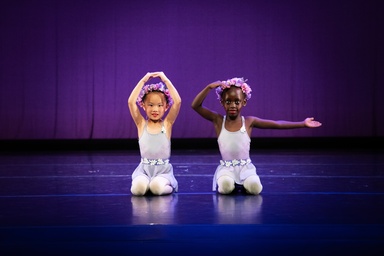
154,173
234,134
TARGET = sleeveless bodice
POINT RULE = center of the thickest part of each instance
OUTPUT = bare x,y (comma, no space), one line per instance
234,145
154,146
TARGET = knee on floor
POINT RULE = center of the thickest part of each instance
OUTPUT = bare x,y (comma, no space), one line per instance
225,185
253,185
139,186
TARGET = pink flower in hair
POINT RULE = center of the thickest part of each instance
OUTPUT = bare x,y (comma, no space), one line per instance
236,81
159,87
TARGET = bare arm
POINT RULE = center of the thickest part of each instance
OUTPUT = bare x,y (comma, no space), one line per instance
309,122
133,108
175,108
197,105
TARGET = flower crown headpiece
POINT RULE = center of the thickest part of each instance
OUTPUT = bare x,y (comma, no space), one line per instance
236,81
159,87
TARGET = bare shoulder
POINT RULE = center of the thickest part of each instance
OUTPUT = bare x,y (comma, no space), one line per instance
251,120
167,123
254,121
140,126
217,117
217,123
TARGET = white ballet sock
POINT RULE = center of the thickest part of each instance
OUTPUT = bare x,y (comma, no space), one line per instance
253,185
140,186
225,185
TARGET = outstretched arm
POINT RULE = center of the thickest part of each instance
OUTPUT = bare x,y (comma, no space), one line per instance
309,122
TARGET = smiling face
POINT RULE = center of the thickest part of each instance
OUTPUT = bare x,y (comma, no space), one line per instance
233,99
155,105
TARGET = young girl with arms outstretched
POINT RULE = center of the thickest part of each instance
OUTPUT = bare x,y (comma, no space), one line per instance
234,134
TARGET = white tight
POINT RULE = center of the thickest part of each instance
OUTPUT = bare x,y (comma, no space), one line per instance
252,185
225,185
158,186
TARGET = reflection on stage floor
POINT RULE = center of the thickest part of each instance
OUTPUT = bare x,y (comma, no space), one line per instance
76,202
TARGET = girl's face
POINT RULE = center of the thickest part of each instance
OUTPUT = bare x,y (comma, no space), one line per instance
233,99
155,105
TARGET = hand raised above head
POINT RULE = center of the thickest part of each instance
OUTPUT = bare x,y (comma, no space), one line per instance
215,84
159,74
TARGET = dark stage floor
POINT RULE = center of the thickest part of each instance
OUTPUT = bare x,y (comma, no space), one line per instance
314,202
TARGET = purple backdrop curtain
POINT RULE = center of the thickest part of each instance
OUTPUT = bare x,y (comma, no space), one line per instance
67,67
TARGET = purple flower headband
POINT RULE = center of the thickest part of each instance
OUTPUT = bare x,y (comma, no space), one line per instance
236,81
159,87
